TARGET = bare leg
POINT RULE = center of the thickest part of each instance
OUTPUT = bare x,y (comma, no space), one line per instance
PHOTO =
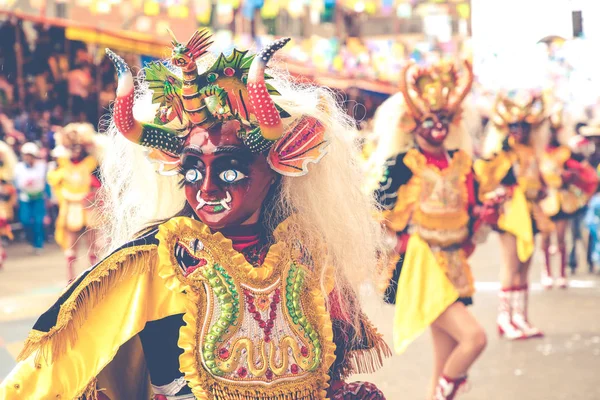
71,254
443,346
461,326
561,230
547,273
510,267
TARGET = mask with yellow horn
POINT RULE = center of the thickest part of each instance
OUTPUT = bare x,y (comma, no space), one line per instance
433,97
517,113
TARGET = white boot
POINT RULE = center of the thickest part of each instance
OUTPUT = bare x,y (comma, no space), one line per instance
505,326
519,303
447,388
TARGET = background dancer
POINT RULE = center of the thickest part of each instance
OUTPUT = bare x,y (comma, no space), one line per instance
75,183
428,195
515,140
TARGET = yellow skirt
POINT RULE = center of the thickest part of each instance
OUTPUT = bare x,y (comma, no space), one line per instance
424,293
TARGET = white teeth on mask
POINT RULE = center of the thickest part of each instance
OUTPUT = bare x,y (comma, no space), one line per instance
201,202
225,205
225,202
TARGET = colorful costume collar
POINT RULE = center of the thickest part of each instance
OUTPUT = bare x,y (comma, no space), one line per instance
233,88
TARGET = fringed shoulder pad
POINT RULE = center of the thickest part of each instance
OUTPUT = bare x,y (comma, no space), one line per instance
57,328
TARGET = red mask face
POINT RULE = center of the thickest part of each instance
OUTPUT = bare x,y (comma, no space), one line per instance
225,183
434,127
520,131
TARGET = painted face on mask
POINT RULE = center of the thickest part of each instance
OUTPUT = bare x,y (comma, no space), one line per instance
434,127
224,182
520,131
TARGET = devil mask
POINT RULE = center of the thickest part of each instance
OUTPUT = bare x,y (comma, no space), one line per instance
230,139
433,98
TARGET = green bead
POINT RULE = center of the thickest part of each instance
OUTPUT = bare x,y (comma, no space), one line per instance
314,336
209,346
208,355
211,364
212,77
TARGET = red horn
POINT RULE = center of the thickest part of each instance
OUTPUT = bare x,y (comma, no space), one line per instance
266,113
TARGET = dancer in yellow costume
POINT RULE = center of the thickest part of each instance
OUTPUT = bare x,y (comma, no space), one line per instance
514,143
8,195
428,196
75,182
234,282
571,182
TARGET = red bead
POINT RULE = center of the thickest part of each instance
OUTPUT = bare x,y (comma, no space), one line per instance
229,71
269,374
223,353
270,324
250,300
304,351
277,292
252,308
294,368
267,339
257,316
262,324
272,314
242,372
273,306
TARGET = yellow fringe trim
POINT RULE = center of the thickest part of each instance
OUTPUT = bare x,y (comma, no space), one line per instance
74,311
90,392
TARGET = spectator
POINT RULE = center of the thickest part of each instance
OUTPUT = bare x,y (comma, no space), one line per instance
80,82
30,181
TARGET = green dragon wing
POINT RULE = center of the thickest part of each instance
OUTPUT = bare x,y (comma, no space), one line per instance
165,86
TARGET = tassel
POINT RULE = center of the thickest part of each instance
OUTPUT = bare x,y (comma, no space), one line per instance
91,291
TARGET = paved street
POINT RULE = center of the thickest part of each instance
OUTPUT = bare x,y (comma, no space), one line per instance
563,365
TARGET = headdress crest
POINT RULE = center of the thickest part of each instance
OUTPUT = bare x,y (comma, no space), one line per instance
508,110
235,87
434,88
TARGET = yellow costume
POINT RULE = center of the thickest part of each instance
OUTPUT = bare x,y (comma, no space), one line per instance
72,185
8,193
95,336
433,207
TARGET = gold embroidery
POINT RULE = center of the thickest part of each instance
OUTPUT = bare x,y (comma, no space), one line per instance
226,352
